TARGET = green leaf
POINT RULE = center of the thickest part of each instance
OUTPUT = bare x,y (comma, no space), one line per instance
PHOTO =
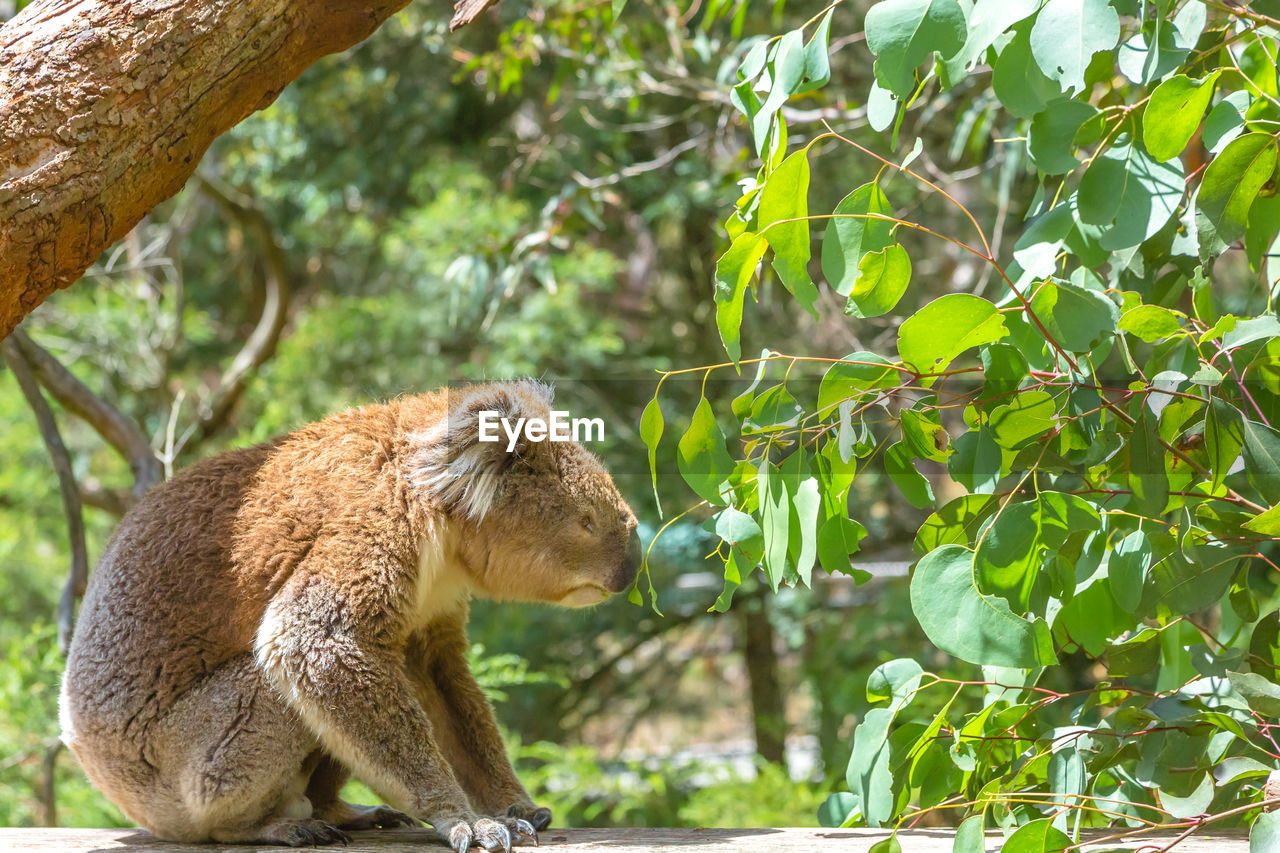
735,567
1223,438
1265,523
1264,833
1232,181
736,527
854,232
807,502
1262,459
734,272
1037,249
913,485
868,774
1194,804
1066,775
1137,656
651,424
1066,35
902,34
1038,836
955,523
988,20
856,374
835,809
1152,323
976,461
1050,139
1078,319
837,539
1018,82
1009,557
1261,694
1127,570
970,836
882,279
784,206
895,680
1029,415
775,521
701,456
886,845
772,410
1264,647
1129,195
817,60
962,621
1174,113
1147,477
934,336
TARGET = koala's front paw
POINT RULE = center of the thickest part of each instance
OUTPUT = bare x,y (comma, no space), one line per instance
538,816
483,832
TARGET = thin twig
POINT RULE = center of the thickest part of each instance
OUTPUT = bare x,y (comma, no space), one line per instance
115,428
78,575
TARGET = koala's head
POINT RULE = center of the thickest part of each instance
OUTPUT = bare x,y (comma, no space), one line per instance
538,520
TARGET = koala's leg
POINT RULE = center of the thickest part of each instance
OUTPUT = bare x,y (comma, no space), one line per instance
341,673
467,731
323,789
233,762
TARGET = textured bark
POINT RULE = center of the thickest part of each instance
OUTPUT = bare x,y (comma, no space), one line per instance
106,106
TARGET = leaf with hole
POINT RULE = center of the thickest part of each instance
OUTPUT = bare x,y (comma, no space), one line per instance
903,34
1066,35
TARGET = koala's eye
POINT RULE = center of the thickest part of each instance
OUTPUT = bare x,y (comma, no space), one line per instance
588,523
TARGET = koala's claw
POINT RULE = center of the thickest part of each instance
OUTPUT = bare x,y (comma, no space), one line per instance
485,833
313,833
492,835
522,831
460,838
539,817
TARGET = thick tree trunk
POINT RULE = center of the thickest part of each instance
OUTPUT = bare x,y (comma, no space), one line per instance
768,710
106,106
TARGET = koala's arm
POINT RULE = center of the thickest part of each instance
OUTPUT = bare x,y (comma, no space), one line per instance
328,646
437,663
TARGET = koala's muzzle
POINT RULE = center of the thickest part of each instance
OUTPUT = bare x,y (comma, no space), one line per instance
626,573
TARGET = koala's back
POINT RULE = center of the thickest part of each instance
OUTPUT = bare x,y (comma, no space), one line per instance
164,605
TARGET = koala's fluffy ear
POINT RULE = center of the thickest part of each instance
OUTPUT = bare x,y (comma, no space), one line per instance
463,472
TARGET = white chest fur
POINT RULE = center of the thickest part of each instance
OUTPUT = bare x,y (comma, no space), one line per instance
443,585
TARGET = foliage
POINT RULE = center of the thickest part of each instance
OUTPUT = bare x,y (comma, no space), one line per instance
30,670
1094,447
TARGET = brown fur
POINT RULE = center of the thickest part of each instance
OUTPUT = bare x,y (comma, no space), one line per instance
276,617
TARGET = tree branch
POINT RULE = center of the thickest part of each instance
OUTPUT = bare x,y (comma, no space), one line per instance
261,343
108,105
79,573
114,426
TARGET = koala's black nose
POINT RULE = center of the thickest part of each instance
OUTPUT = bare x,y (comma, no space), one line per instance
631,562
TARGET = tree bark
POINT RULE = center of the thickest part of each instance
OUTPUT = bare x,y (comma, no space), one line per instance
106,106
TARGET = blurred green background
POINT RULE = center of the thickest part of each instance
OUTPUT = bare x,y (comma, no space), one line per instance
539,194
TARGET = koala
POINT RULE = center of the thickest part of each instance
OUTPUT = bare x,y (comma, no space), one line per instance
276,618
